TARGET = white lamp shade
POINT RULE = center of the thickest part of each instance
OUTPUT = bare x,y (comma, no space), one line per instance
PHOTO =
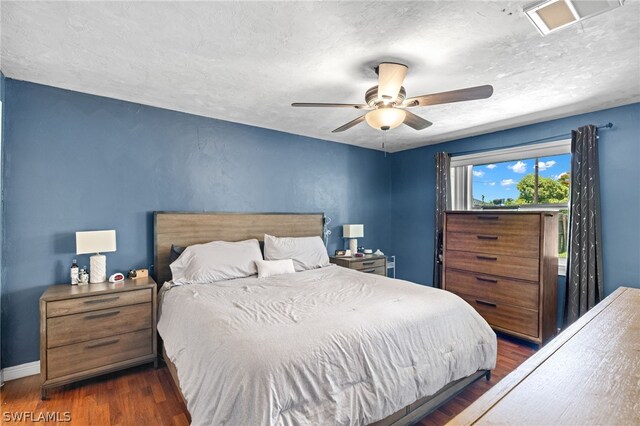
385,118
352,231
95,242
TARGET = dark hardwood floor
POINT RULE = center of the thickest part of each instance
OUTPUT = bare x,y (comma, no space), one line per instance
511,353
137,396
145,396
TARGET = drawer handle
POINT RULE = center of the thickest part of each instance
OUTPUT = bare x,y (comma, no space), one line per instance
371,262
97,345
103,315
487,280
368,271
484,302
487,258
488,217
108,299
487,237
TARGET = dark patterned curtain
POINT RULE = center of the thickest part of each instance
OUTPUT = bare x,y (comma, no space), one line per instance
443,203
585,286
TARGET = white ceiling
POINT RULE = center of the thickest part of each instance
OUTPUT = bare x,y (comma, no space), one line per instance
246,62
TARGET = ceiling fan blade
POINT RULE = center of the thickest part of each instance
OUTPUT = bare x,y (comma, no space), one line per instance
390,79
349,125
303,104
469,94
416,122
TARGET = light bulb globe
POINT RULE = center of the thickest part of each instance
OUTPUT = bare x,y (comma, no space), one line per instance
385,118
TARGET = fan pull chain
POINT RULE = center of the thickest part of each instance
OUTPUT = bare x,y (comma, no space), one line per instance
384,142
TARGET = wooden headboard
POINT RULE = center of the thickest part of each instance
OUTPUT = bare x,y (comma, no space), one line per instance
186,228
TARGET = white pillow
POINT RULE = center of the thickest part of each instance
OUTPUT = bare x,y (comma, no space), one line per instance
268,268
306,252
216,261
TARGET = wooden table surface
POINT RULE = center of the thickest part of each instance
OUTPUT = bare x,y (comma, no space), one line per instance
588,375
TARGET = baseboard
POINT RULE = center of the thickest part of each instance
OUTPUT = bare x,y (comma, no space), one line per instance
22,370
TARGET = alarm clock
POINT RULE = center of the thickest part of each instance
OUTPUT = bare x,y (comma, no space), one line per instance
116,277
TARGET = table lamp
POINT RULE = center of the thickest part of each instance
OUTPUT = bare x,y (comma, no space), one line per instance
353,232
96,242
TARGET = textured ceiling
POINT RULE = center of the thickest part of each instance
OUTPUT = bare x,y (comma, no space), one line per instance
246,62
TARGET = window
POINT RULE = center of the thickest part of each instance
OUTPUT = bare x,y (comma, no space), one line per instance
531,182
528,177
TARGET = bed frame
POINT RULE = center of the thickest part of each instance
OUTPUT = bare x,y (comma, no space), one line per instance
186,228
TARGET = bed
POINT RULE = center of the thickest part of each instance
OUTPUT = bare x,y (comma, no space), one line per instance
322,346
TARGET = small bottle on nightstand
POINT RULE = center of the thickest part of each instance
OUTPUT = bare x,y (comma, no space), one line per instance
74,273
83,276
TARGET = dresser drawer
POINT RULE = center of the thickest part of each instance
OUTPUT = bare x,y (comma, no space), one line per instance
84,356
509,244
524,268
379,270
494,224
508,317
91,303
93,325
493,288
368,264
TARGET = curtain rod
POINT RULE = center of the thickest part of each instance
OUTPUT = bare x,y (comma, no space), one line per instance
609,125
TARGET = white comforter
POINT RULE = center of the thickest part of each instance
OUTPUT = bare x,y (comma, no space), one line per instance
326,346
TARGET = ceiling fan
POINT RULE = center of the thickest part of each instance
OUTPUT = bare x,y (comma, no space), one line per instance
387,102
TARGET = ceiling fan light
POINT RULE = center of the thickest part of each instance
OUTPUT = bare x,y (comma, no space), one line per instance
385,118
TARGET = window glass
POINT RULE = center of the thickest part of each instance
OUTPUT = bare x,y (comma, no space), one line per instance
553,181
532,181
499,184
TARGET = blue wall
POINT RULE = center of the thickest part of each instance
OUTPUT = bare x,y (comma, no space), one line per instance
2,83
413,195
80,162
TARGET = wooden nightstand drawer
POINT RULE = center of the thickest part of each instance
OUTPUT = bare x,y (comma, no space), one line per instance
368,264
494,288
97,324
103,301
486,242
380,270
85,356
372,264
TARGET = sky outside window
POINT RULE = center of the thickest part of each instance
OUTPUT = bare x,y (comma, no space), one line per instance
498,181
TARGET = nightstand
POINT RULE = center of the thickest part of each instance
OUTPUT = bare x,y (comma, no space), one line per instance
370,263
89,330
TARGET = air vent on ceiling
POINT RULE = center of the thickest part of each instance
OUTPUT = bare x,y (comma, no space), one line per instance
553,15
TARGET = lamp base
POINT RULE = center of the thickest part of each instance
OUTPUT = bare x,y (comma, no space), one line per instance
353,246
98,268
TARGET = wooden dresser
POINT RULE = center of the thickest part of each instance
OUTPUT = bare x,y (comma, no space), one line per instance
588,375
371,263
505,265
94,329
